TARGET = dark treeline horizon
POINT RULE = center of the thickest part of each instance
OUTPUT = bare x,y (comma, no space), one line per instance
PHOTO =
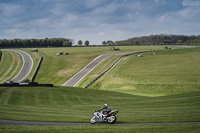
64,42
160,39
46,42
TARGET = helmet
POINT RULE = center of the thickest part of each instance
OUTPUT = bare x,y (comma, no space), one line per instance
105,105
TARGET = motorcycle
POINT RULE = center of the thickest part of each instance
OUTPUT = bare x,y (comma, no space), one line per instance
100,117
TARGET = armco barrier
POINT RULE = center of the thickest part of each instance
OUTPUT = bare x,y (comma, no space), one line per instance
26,84
114,65
37,69
0,55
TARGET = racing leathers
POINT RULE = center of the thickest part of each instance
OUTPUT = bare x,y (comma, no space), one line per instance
108,110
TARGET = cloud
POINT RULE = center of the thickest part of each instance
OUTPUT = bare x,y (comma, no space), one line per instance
9,10
191,3
97,20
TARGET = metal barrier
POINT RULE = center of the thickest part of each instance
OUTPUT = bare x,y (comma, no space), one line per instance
37,69
0,55
26,84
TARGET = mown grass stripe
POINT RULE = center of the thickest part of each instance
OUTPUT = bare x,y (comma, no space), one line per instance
10,65
57,114
77,105
5,96
6,65
17,65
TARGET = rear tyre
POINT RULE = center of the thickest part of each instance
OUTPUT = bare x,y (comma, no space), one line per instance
93,120
112,119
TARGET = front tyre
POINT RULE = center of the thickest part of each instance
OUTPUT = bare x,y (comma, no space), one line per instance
112,119
93,120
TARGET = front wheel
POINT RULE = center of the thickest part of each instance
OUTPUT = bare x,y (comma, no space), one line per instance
93,120
112,119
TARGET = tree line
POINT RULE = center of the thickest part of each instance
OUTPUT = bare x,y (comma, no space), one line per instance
157,39
47,42
86,43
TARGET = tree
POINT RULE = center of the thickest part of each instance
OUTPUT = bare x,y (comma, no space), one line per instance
67,43
167,41
179,41
57,42
87,43
137,43
110,42
80,42
104,43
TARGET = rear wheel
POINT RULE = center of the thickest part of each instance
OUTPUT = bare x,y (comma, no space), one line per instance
93,120
112,119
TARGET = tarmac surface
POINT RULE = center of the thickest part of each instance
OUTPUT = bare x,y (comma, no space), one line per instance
8,122
26,68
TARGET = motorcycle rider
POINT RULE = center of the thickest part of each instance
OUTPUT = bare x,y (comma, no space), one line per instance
108,110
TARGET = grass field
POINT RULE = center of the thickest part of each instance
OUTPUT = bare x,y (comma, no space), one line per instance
65,104
102,128
62,104
155,88
166,72
58,69
10,65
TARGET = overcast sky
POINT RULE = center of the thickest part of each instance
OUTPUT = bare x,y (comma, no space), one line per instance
97,20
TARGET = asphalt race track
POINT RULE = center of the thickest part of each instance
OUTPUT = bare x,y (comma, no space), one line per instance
81,74
8,122
26,68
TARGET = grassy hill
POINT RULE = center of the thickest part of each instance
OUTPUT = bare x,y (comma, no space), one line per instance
160,87
65,104
58,69
163,73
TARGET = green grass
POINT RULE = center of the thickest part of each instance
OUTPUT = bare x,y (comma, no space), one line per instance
155,88
58,69
165,73
64,104
10,65
100,129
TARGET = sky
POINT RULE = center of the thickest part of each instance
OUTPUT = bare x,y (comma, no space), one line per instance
97,20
